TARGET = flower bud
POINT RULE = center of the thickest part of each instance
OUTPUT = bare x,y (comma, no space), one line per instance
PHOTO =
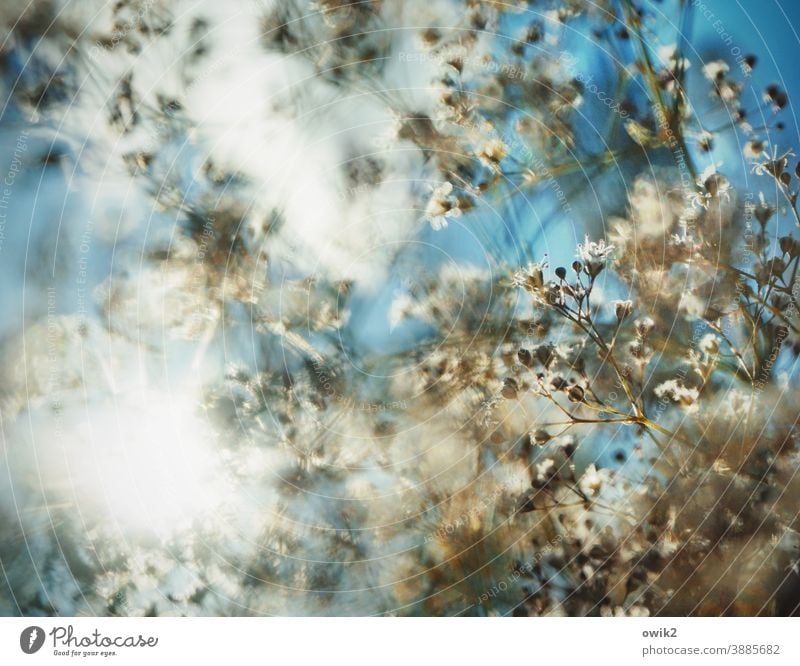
789,245
545,354
575,393
622,309
644,326
510,388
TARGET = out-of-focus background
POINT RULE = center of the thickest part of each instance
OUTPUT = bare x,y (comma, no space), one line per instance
202,201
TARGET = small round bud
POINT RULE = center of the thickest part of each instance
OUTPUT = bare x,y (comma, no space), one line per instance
575,393
789,245
545,354
644,326
622,309
771,91
510,388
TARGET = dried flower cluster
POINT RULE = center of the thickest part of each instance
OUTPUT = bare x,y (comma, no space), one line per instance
395,308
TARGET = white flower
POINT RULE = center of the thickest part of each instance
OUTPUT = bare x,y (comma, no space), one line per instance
774,166
677,392
709,344
545,470
591,481
670,56
531,278
653,210
492,152
594,255
591,250
736,403
753,149
705,140
638,611
715,70
713,185
399,310
442,205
